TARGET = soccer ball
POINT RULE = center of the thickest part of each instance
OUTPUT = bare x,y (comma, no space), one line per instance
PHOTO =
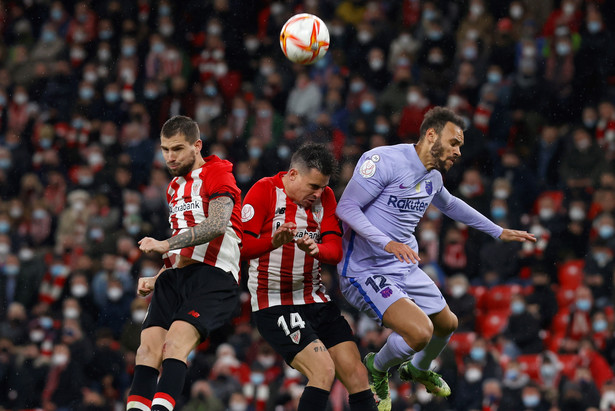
304,39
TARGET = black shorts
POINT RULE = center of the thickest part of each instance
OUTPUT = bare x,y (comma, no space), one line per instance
290,328
200,294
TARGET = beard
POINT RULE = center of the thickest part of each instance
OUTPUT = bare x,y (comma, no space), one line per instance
437,151
184,169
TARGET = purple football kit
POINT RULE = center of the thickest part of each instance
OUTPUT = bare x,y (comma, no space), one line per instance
386,197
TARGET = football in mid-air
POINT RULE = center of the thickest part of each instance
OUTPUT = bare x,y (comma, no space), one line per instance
304,39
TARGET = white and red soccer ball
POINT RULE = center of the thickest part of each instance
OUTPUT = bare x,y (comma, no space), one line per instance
304,39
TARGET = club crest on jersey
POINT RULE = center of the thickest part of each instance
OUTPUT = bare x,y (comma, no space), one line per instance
317,213
196,188
247,212
428,187
368,169
295,336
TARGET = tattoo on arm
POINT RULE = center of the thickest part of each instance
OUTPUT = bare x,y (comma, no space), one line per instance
220,210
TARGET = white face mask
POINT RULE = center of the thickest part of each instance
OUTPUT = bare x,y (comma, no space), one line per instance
59,359
458,290
71,313
78,290
473,375
114,293
138,316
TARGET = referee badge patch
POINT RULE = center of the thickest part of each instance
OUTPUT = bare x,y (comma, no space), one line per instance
295,336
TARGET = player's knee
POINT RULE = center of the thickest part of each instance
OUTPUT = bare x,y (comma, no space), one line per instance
148,353
176,348
324,374
422,336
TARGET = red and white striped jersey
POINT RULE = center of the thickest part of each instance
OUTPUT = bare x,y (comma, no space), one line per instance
286,275
188,197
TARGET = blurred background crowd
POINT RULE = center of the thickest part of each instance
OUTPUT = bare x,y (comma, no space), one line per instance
86,85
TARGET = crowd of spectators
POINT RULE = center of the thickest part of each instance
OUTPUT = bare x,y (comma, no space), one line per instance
86,85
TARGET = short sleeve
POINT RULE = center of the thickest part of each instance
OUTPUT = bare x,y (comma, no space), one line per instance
256,206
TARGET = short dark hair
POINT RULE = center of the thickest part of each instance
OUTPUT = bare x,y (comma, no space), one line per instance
181,125
437,118
312,155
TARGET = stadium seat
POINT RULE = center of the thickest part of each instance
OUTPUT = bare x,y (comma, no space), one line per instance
559,324
556,195
569,364
478,291
564,296
492,323
570,274
530,364
461,343
499,296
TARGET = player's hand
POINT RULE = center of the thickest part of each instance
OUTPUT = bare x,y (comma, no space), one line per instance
149,244
284,234
146,285
308,246
403,252
517,235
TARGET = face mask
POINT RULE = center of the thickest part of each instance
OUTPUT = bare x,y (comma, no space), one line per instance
85,180
266,360
263,113
11,270
413,97
494,77
473,375
364,36
356,86
257,378
428,235
423,396
59,359
255,152
458,290
501,194
57,270
20,98
240,112
434,35
266,70
429,14
469,53
546,213
531,401
516,12
56,14
237,406
367,107
86,93
2,100
96,234
114,293
104,54
376,64
498,213
511,374
45,322
568,9
78,290
381,128
576,214
517,307
291,373
128,50
37,335
563,49
594,26
283,152
71,313
5,226
48,36
583,305
251,44
148,272
25,254
166,30
4,249
599,325
150,94
138,316
605,231
112,97
478,353
476,9
468,190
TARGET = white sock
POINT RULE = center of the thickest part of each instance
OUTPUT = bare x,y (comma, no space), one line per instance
422,360
394,352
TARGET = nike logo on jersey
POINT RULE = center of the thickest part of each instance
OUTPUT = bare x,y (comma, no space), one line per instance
403,187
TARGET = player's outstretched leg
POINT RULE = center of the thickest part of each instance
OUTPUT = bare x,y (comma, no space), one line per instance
378,382
433,381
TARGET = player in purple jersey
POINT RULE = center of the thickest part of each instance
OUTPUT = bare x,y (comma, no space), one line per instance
390,190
